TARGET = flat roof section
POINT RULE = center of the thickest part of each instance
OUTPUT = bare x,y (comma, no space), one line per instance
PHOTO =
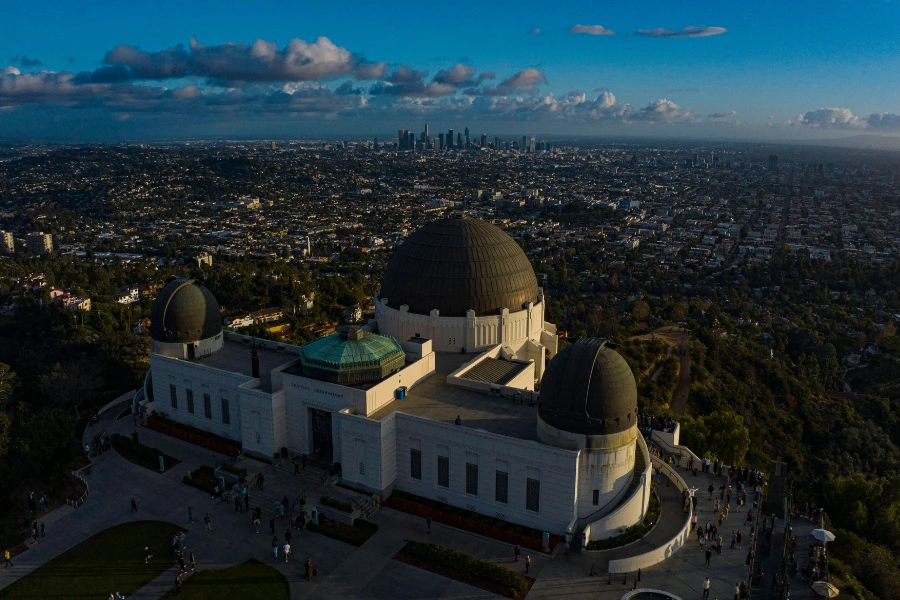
435,399
236,358
495,370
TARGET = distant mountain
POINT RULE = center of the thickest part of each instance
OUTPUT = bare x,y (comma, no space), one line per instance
866,142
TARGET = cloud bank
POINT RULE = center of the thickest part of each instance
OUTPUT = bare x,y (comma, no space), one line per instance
591,30
687,32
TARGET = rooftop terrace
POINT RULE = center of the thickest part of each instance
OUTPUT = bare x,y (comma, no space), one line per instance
435,399
236,357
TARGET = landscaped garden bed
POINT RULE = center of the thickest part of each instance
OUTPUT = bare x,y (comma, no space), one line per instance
466,569
633,533
468,520
139,454
203,478
251,580
195,436
357,534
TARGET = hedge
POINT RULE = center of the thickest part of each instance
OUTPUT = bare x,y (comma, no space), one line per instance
203,478
462,567
141,455
357,534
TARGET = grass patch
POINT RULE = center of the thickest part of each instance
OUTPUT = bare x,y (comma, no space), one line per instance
357,534
141,455
112,560
633,533
462,567
251,580
336,504
203,478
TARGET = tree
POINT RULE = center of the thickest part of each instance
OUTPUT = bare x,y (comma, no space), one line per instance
640,310
721,434
72,382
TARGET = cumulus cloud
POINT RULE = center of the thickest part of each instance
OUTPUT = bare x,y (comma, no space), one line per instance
406,81
883,121
261,61
830,117
25,61
688,32
535,31
720,115
591,30
662,111
524,81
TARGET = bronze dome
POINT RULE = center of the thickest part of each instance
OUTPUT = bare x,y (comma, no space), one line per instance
185,311
589,389
458,264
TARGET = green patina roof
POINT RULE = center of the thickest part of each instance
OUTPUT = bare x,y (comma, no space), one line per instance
352,356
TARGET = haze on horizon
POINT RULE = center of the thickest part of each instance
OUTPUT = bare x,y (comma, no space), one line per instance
775,71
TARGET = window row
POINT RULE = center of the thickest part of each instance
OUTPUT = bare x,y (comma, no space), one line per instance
207,404
501,479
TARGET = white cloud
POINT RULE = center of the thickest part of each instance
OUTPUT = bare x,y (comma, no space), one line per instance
591,30
688,32
830,117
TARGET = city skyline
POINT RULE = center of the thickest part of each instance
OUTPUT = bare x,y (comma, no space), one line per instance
109,72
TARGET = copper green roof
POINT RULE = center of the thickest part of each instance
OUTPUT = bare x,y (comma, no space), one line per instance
352,356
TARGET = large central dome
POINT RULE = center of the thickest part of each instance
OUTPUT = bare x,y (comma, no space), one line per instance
458,264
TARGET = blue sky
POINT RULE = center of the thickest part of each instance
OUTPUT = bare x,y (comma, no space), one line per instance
780,70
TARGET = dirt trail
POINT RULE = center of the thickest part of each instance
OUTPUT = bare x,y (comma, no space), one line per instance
678,338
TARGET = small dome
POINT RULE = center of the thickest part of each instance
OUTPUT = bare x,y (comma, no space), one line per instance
185,311
352,356
458,264
589,389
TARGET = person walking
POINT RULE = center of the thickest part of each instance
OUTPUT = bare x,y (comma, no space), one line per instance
733,539
256,523
307,567
134,507
428,524
693,522
272,525
190,515
287,551
708,555
208,522
7,556
178,585
193,563
527,563
275,545
237,504
719,545
517,552
43,530
147,555
706,585
740,537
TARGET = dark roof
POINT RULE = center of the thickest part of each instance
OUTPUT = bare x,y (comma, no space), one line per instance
458,264
185,311
495,370
589,389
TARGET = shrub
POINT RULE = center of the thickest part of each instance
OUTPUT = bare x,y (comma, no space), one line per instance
357,534
336,504
203,478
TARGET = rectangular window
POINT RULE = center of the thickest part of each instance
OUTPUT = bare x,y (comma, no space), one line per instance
190,399
532,494
444,471
471,479
596,497
173,394
501,486
207,406
226,412
415,463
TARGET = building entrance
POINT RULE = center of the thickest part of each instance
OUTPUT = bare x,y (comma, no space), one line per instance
322,444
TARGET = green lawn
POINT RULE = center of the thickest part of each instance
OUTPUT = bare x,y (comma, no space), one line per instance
251,580
112,560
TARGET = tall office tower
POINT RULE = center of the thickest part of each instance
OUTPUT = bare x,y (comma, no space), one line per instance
524,144
401,137
484,140
440,141
6,242
426,131
410,141
467,137
496,143
459,140
273,145
712,157
39,243
531,147
773,163
449,138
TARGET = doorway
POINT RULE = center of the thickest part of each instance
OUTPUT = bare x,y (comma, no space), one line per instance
322,443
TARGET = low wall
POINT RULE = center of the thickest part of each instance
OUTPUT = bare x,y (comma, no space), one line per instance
657,555
632,511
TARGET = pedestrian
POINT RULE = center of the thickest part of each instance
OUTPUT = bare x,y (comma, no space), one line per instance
7,556
177,585
719,545
43,530
287,551
272,525
134,508
708,555
517,552
190,515
740,537
256,523
693,522
733,539
193,563
43,503
147,555
716,506
706,584
34,533
711,489
208,522
287,535
737,591
237,504
458,421
275,545
246,500
527,563
307,567
428,524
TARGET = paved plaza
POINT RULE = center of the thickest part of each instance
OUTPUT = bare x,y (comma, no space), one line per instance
367,572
